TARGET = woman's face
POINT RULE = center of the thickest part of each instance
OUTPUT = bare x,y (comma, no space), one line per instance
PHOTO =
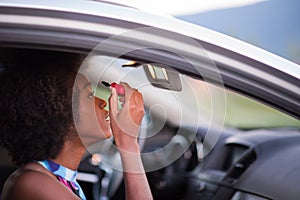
93,124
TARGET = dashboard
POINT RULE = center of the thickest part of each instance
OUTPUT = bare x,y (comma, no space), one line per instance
257,164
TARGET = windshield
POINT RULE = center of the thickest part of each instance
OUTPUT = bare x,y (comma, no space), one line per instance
246,113
243,112
198,103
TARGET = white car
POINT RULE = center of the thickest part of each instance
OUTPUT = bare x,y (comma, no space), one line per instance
222,116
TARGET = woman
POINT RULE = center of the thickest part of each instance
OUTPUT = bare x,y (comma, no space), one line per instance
43,136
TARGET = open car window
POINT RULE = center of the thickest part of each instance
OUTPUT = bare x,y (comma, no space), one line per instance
237,110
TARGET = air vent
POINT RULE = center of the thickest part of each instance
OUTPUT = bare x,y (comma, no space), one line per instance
238,167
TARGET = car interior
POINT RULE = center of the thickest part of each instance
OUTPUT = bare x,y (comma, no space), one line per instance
199,140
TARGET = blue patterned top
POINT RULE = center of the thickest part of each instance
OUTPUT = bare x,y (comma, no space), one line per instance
65,176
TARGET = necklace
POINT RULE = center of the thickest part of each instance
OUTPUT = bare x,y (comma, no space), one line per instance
64,175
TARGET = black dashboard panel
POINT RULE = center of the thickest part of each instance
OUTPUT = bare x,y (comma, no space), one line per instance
256,164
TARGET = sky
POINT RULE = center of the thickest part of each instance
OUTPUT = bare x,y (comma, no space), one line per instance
185,7
269,24
273,25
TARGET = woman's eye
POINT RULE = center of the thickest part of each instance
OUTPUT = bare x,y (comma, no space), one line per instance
91,94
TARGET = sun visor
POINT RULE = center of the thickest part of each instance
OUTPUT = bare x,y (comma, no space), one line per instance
163,76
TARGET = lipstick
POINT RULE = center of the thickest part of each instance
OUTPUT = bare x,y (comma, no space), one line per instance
120,89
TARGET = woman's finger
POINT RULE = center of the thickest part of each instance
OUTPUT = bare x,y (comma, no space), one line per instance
113,102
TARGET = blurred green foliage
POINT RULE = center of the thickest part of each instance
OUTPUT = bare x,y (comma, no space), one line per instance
244,112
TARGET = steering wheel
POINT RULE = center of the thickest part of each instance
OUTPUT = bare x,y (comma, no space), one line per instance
180,144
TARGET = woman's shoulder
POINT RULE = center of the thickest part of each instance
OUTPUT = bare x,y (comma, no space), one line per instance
32,181
30,174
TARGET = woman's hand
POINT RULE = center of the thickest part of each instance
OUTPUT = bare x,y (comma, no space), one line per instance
125,125
125,122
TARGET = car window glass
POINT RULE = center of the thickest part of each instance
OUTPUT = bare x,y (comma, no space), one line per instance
247,113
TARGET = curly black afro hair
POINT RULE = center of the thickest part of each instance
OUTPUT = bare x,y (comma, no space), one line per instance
36,102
